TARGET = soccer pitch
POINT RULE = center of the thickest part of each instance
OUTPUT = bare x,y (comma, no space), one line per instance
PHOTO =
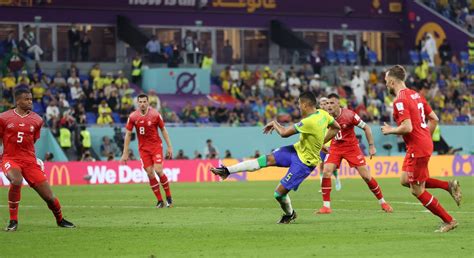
236,219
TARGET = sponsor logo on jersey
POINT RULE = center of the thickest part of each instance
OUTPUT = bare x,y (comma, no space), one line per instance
32,128
22,124
141,122
149,123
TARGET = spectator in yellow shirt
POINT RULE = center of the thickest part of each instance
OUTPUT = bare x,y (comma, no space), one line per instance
105,114
245,74
121,80
23,78
98,83
9,81
108,80
38,91
270,110
95,72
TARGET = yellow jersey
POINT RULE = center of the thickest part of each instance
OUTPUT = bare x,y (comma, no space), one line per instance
312,131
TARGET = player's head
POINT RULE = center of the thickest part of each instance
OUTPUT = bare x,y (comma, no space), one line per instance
323,102
307,103
332,105
142,100
24,98
395,78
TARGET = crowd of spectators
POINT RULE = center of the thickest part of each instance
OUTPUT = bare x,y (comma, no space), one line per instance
458,11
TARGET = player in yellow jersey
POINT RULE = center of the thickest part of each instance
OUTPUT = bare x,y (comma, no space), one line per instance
322,104
301,158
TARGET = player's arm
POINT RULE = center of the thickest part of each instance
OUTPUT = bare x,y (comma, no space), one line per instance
126,144
369,136
432,121
404,128
281,130
169,151
333,129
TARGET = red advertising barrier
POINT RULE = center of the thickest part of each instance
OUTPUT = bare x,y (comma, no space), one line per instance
113,172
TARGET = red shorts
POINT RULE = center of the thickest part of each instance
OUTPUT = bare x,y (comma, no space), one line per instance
416,168
151,157
354,157
30,171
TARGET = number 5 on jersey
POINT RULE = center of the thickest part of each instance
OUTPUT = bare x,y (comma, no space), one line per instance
20,137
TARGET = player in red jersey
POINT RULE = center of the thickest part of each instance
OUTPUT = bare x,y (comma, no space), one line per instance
20,128
146,121
410,113
346,146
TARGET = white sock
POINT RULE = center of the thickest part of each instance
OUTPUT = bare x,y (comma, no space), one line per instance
327,204
248,165
381,201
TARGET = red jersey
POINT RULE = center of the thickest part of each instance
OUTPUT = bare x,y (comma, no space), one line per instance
346,138
410,105
147,128
19,134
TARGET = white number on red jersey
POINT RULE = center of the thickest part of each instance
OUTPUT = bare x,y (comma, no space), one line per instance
338,136
20,137
422,113
141,130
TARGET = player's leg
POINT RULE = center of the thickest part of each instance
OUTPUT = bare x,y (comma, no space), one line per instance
154,184
326,187
338,180
44,190
417,171
282,197
321,167
374,187
452,186
13,174
280,157
164,183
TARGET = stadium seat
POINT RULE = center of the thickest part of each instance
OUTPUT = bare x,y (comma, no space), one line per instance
331,56
91,118
464,56
372,57
352,57
425,56
116,117
341,57
83,78
414,57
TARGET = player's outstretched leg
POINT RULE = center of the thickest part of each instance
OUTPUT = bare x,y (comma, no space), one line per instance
338,180
155,187
452,187
374,188
44,190
433,205
248,165
282,197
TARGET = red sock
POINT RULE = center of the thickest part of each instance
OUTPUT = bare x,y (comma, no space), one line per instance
436,183
432,204
55,207
375,188
14,196
155,187
326,189
166,185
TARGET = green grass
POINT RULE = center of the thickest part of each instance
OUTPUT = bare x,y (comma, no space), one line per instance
236,219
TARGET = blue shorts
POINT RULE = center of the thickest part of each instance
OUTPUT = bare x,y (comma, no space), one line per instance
322,155
297,172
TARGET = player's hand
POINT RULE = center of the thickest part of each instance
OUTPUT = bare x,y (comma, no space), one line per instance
325,149
124,158
169,153
372,151
386,129
268,129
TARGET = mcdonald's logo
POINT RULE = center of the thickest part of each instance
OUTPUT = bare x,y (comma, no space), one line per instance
203,171
58,172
